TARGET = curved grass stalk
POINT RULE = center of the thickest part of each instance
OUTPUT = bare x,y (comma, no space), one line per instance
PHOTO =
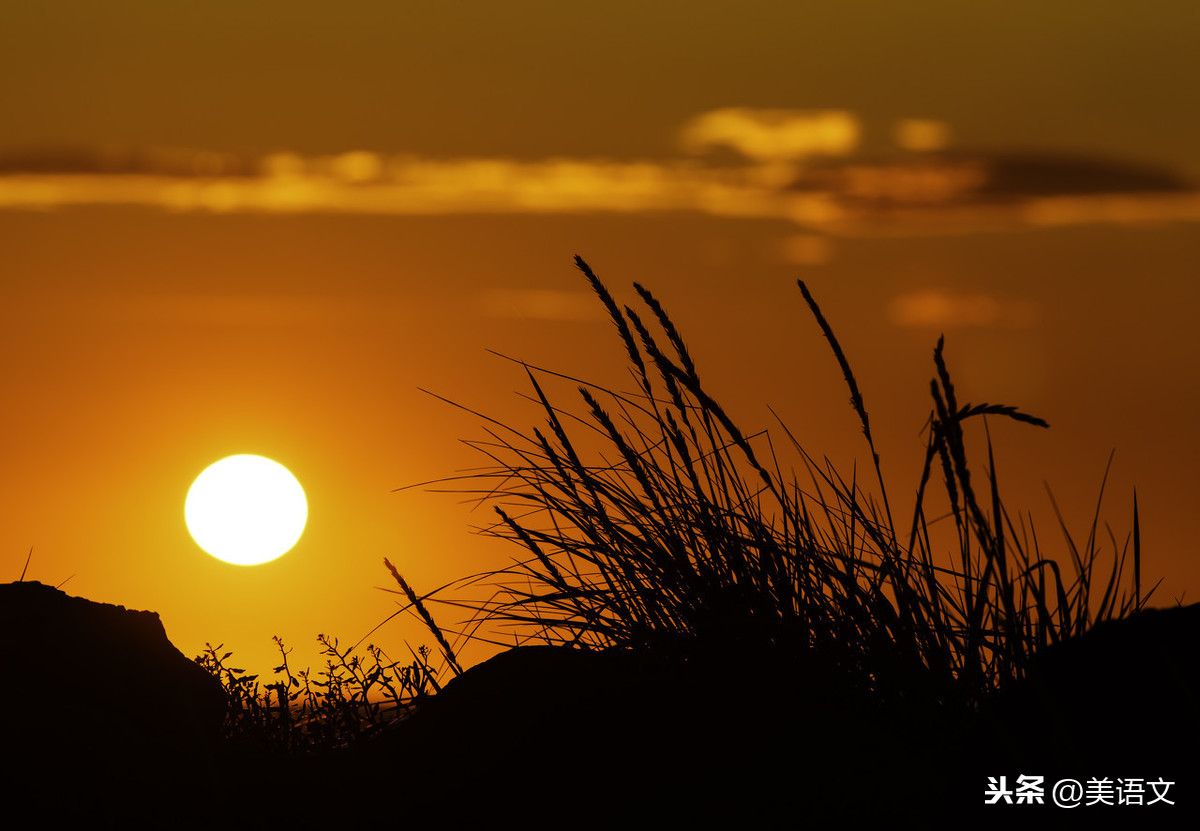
687,536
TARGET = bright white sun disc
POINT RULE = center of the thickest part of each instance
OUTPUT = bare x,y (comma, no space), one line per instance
246,510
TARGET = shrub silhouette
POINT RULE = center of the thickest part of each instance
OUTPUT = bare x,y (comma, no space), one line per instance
682,534
302,711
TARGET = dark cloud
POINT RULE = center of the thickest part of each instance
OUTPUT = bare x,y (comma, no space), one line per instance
963,177
68,159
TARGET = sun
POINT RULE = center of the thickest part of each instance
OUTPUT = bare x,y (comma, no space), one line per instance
246,510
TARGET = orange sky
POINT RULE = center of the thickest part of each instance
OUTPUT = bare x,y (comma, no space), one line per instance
153,320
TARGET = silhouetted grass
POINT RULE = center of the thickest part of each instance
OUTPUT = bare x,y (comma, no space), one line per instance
301,711
651,521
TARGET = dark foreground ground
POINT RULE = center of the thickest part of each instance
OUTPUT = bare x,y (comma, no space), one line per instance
546,737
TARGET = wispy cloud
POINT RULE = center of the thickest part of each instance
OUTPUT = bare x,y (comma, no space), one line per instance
408,185
773,135
228,310
947,310
540,304
796,165
921,134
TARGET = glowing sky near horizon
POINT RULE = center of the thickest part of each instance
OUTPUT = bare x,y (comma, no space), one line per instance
329,208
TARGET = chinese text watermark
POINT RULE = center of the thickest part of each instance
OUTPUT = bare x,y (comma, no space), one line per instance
1071,793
